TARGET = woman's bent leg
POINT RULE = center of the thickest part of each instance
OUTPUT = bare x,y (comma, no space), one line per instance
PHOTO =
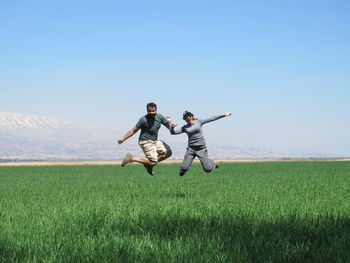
207,164
187,161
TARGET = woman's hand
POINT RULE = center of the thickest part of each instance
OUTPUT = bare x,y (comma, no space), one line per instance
228,114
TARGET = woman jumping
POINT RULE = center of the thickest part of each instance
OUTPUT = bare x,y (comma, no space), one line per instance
196,143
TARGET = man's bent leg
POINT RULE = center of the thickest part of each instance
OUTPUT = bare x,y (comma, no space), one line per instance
150,150
163,150
144,160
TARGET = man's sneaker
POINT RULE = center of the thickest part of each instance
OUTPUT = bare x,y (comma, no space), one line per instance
127,159
149,169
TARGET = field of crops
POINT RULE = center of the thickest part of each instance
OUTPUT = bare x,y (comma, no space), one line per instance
248,212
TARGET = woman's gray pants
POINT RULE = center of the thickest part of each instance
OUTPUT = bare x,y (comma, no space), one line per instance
202,153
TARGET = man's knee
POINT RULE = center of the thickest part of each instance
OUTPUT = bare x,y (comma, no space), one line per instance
153,159
167,149
169,152
164,155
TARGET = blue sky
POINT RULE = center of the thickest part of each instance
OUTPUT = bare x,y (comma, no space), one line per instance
281,67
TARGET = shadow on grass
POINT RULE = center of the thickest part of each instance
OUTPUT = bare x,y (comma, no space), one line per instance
176,238
228,239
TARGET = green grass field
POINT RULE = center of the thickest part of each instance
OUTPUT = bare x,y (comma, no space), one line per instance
257,212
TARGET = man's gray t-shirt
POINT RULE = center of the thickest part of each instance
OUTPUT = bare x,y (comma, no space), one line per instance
194,132
150,127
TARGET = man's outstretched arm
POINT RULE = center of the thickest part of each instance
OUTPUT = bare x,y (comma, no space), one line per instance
128,135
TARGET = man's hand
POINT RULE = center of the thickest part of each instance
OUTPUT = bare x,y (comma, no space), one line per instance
228,114
169,118
128,135
173,125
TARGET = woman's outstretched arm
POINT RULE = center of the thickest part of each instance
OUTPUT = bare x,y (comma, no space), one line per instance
214,118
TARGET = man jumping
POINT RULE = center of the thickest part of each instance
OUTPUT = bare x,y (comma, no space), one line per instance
154,149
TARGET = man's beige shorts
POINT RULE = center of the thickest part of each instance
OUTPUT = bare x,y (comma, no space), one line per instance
154,148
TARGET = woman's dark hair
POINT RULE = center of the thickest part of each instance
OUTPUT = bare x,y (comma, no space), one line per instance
187,114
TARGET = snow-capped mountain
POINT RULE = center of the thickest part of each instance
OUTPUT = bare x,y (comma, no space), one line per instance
13,121
28,137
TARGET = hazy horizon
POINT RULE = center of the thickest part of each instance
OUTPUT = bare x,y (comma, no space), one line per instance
281,68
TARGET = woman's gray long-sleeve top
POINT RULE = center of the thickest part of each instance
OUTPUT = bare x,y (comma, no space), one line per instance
194,132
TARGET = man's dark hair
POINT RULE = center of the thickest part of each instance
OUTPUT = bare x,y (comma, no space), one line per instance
187,114
151,104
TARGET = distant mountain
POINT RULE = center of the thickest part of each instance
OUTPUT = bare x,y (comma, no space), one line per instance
32,137
39,137
13,121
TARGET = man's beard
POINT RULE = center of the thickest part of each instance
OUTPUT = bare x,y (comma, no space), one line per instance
151,116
